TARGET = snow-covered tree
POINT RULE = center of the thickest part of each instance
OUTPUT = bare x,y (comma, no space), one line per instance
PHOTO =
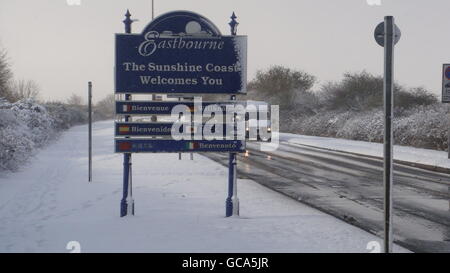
25,89
5,76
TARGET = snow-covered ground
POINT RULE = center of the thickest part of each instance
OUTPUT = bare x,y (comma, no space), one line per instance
403,153
179,206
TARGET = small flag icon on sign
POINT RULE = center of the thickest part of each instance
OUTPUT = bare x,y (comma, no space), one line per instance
124,129
124,146
126,108
192,145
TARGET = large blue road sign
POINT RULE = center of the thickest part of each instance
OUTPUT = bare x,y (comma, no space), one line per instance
165,107
190,58
174,146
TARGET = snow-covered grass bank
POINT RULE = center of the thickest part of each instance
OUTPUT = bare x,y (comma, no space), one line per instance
26,126
179,206
408,154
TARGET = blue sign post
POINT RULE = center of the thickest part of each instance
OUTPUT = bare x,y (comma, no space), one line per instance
127,202
232,201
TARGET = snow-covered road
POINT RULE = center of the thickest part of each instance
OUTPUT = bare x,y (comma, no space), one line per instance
179,206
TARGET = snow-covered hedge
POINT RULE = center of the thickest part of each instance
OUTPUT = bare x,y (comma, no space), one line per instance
65,116
422,126
367,126
26,126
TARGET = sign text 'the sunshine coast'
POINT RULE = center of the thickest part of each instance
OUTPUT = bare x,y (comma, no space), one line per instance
153,63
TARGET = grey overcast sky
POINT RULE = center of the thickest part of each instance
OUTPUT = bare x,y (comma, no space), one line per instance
62,47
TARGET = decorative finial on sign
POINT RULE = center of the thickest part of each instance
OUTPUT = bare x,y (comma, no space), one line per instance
128,22
233,24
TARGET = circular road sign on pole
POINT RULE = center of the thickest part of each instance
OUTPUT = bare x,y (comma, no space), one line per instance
379,34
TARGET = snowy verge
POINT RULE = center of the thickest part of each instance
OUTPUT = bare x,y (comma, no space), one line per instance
432,158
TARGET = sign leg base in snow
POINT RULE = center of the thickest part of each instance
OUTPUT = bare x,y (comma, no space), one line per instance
127,202
235,202
232,202
130,200
228,207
